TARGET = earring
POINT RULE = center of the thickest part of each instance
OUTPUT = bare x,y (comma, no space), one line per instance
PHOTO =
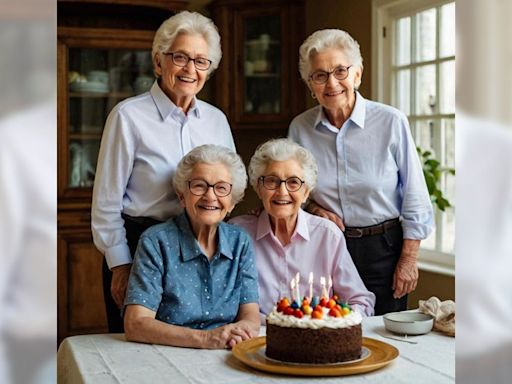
313,95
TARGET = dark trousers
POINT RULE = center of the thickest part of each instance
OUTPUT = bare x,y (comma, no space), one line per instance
375,257
134,227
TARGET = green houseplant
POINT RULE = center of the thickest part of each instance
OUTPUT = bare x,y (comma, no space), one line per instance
432,171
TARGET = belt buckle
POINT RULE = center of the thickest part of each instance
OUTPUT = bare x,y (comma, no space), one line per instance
354,232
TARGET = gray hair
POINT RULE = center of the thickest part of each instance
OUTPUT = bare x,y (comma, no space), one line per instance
212,154
328,38
190,23
282,150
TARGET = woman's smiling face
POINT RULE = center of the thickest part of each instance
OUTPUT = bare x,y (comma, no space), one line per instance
334,94
281,203
183,82
208,209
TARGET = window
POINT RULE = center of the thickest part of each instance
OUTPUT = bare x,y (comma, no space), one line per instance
415,72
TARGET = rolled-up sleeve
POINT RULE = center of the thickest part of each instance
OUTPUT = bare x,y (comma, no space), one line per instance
417,212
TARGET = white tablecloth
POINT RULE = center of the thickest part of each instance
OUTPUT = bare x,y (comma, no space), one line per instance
109,358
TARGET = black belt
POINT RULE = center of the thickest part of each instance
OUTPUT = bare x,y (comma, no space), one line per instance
355,232
140,220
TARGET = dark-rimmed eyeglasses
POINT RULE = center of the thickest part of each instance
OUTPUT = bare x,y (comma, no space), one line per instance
321,77
199,187
181,60
293,184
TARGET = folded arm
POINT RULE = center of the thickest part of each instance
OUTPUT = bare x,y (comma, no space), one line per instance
141,326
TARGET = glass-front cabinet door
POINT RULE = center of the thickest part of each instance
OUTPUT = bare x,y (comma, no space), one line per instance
257,83
92,80
97,80
262,65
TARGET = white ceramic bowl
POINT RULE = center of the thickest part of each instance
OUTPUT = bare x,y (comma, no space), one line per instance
409,323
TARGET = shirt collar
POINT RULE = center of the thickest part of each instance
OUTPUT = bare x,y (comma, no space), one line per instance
189,246
357,116
264,228
165,105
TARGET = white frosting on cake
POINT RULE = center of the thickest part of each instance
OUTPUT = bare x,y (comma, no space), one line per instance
282,320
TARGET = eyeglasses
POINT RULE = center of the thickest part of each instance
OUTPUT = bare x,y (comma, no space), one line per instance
321,77
199,187
182,59
293,184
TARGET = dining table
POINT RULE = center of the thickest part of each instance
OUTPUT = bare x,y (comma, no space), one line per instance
110,358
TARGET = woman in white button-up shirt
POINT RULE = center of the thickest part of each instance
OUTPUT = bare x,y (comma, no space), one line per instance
144,139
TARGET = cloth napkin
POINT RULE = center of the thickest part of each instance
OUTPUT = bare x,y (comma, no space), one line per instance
443,312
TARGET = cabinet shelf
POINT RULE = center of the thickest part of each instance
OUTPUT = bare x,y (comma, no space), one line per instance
85,136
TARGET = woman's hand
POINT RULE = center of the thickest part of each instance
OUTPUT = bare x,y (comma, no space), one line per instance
317,210
228,335
120,276
244,330
406,273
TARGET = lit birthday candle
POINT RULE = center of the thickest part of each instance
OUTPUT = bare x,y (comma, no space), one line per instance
297,279
322,283
330,285
310,281
292,289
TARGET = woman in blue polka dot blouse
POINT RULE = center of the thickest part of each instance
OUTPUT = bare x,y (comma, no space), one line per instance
193,282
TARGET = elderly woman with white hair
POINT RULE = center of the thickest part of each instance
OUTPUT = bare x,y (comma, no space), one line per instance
372,184
193,282
144,139
288,240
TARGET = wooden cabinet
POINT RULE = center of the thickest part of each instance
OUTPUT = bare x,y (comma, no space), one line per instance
257,83
103,56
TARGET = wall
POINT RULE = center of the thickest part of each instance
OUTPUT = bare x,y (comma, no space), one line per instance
355,17
432,284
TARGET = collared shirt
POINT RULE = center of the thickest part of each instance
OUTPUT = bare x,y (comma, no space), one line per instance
144,139
172,276
317,245
369,170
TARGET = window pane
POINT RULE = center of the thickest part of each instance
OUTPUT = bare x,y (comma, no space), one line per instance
447,47
425,134
403,41
448,186
426,35
430,242
447,87
448,231
426,97
403,91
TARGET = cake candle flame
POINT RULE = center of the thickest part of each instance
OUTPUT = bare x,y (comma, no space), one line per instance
297,279
330,285
292,289
322,283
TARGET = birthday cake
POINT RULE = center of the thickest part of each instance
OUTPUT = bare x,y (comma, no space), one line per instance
319,331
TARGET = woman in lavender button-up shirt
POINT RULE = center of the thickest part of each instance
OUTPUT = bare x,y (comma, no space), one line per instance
288,240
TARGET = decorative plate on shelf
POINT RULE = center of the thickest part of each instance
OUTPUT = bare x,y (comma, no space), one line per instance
89,86
252,353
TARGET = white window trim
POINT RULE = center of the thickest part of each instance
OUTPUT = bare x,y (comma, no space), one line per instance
383,11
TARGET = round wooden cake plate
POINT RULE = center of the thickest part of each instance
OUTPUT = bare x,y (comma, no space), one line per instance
252,353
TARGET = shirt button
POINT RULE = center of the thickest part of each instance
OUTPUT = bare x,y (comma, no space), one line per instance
207,313
208,297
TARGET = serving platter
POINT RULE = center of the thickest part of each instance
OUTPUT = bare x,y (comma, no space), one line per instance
252,353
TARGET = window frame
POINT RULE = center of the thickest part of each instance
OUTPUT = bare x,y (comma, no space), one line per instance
384,12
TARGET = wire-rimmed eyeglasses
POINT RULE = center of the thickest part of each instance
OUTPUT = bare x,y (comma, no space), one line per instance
181,60
199,187
293,184
321,77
